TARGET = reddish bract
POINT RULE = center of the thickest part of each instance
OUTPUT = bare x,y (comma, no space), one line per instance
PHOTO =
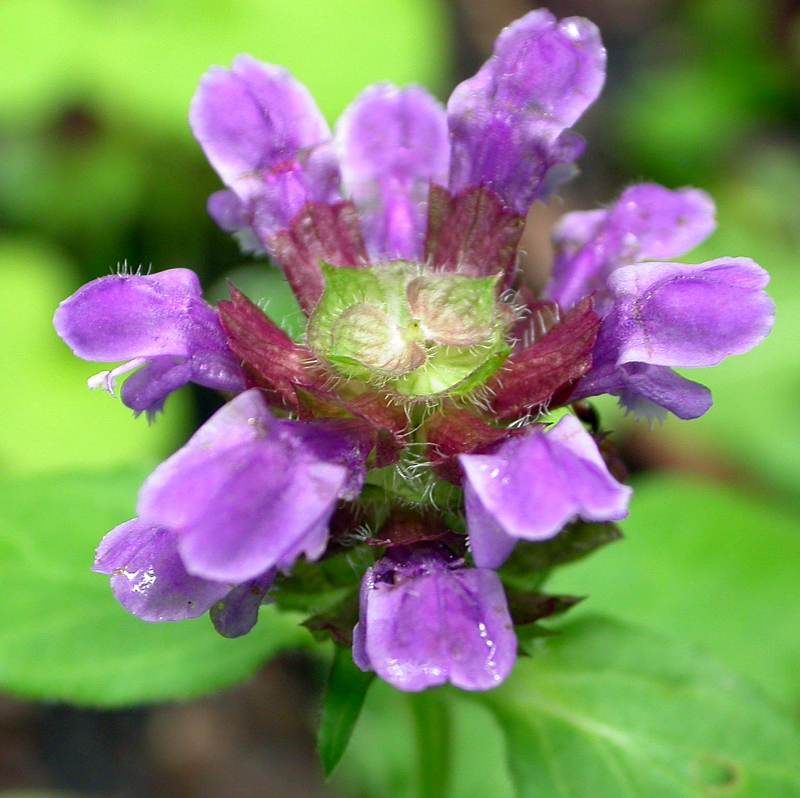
534,374
473,233
319,232
271,359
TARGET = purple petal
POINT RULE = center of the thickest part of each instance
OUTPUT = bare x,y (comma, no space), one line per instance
159,322
228,211
647,387
647,222
360,655
643,389
393,144
147,389
245,494
233,216
148,577
531,486
427,620
236,614
672,314
505,122
576,229
126,316
345,442
266,138
313,177
253,118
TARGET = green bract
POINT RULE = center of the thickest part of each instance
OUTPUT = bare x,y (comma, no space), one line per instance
419,332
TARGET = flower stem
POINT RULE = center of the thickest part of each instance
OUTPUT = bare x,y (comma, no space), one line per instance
432,730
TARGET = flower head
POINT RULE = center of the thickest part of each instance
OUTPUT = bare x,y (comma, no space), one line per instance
414,417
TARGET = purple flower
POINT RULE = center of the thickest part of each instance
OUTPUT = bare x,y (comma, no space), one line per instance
426,619
508,122
160,324
263,133
668,315
531,486
647,222
247,495
393,144
150,580
657,315
250,492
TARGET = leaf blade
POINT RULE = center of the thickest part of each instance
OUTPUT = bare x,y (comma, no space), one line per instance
608,710
344,697
63,635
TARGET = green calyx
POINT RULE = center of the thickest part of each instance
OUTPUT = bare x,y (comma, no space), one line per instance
422,333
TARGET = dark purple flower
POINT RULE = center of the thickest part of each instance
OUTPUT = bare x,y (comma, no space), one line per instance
160,324
531,486
426,619
250,492
508,122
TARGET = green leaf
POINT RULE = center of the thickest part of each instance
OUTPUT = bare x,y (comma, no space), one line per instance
381,759
62,633
335,623
320,586
707,564
341,705
607,710
529,563
527,607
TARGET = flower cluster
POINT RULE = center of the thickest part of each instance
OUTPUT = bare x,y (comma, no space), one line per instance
432,417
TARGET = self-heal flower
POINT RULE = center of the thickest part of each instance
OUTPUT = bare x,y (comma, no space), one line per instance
657,315
427,619
250,492
159,324
247,495
647,222
530,486
411,420
149,579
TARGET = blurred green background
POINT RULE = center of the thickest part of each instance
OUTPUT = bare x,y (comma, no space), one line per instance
97,167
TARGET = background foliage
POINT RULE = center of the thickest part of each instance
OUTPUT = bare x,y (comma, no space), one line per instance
686,686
